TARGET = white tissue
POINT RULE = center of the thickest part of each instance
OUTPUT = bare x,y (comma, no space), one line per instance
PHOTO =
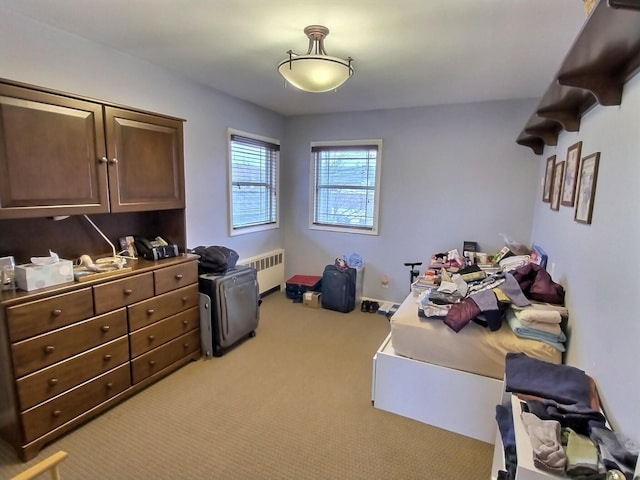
50,260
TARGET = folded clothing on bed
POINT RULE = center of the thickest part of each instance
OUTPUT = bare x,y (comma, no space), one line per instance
549,333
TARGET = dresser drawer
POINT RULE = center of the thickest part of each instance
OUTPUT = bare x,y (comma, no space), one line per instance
33,318
119,293
161,332
149,311
177,276
53,380
49,415
154,361
49,348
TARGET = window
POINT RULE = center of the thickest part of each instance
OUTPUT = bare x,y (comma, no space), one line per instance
253,183
345,186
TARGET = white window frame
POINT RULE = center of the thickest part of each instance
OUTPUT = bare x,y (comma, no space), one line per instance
312,188
233,231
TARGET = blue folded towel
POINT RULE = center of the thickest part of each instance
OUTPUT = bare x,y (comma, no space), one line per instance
556,341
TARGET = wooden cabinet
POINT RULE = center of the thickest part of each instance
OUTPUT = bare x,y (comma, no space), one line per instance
66,155
69,352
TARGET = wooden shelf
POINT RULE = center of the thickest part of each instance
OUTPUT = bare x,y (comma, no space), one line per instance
604,56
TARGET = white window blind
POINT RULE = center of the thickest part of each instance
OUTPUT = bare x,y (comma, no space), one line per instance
346,186
254,176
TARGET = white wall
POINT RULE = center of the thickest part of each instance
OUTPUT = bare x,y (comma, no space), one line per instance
449,174
598,263
40,55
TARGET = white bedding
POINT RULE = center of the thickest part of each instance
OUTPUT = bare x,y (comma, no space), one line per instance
474,349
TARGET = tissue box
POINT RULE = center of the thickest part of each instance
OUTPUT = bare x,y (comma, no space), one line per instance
311,299
32,277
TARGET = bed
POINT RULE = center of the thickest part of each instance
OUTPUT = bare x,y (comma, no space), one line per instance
425,371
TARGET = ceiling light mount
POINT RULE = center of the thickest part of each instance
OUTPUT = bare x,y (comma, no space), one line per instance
315,71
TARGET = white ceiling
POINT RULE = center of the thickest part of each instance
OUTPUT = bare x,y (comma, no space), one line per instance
406,52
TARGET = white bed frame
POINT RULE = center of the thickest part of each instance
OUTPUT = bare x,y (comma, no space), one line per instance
454,400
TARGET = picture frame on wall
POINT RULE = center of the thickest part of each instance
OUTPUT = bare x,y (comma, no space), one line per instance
571,174
586,193
548,179
556,188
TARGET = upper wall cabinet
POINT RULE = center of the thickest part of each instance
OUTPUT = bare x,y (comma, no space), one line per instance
604,56
64,155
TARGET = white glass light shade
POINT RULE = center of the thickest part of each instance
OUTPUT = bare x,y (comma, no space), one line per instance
315,73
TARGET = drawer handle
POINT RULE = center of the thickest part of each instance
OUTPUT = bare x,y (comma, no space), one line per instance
128,291
105,328
56,413
151,311
152,362
152,338
49,349
107,357
57,312
109,385
184,299
185,345
178,276
185,322
53,381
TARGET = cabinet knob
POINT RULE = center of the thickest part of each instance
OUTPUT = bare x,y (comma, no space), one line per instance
128,291
179,276
104,160
56,413
109,385
49,349
152,338
184,299
57,312
113,161
107,357
53,381
185,322
185,345
105,328
151,311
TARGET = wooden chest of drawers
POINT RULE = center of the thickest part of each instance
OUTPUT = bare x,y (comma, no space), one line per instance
69,352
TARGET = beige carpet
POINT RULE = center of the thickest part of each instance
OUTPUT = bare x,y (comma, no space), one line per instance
292,403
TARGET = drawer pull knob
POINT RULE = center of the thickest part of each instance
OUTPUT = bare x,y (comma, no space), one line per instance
184,299
128,291
152,338
151,311
107,357
109,385
49,349
152,362
105,328
185,345
57,312
185,322
179,276
56,413
53,381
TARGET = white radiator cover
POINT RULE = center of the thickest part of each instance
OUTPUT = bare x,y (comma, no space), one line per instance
270,268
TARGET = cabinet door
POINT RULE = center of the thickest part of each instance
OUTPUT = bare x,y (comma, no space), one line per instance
52,155
146,169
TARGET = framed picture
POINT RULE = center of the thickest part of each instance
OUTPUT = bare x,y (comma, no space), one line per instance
586,188
548,179
556,187
571,174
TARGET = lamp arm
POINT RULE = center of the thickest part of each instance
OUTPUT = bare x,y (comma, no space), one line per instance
113,248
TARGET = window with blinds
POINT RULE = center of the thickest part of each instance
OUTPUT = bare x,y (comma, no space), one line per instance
346,186
253,183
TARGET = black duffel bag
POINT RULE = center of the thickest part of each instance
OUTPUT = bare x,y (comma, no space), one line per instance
215,259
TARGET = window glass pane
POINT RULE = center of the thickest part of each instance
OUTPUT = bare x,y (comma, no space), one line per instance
253,182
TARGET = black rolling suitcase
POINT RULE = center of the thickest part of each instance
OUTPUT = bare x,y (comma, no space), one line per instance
228,308
338,288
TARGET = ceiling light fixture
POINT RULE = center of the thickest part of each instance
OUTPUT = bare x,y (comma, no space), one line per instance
315,71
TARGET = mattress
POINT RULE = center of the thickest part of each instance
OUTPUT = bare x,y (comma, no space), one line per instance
475,349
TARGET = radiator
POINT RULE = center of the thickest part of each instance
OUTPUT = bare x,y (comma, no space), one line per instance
270,268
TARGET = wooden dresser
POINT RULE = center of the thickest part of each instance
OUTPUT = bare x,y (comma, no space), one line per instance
69,352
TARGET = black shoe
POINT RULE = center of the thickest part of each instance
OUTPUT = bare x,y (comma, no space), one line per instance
373,307
366,304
